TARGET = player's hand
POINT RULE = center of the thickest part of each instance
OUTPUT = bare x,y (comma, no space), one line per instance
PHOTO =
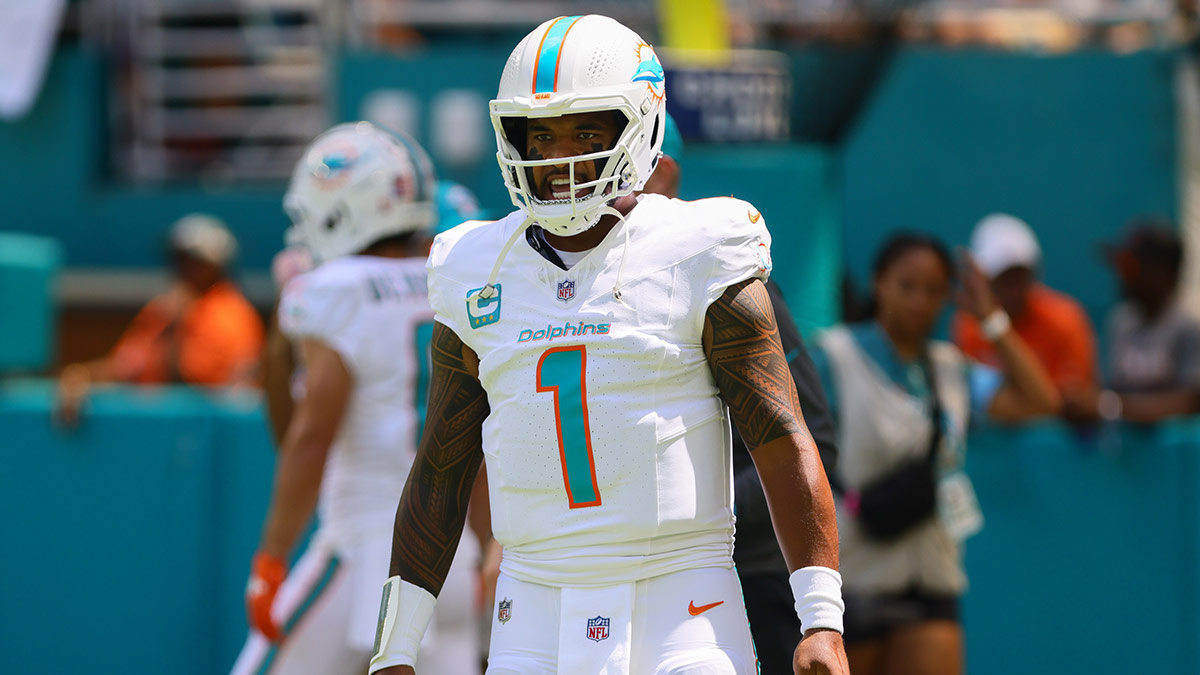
975,294
396,670
821,652
266,576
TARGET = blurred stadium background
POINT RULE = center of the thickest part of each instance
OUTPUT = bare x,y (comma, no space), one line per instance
127,541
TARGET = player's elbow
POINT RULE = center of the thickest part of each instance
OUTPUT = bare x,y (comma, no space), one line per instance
307,443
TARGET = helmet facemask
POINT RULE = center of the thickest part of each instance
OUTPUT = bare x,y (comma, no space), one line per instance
613,172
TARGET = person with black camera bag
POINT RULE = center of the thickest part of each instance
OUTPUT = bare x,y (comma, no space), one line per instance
904,402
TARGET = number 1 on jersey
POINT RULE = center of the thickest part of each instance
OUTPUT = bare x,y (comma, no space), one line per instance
563,371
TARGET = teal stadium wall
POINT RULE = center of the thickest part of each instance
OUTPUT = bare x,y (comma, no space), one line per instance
29,266
1074,143
134,535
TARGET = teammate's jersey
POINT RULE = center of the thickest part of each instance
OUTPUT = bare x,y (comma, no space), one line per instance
375,313
607,447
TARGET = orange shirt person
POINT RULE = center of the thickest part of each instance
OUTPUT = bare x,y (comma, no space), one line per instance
200,331
1052,324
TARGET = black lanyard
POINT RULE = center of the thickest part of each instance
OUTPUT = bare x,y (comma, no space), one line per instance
536,237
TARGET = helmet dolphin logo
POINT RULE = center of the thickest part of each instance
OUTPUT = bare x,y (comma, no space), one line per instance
649,70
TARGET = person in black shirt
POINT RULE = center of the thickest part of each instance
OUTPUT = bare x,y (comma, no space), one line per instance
760,565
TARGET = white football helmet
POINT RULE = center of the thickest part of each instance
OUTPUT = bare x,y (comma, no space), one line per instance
355,185
580,64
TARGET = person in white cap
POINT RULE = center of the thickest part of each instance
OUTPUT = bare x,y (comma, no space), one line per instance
200,331
1052,324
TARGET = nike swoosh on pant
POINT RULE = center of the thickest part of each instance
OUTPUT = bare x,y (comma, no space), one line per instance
697,611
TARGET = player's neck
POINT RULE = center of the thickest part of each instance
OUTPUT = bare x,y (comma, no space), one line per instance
591,237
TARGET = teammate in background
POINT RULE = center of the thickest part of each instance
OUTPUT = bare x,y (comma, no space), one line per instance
200,331
760,565
594,367
282,382
361,201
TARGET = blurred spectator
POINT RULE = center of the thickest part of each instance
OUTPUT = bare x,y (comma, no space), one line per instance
1154,345
200,331
904,402
1052,324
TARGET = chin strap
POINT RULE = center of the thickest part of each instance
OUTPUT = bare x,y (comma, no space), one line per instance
616,290
489,289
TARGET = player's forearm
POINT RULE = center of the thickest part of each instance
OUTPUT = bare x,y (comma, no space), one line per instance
479,514
433,508
278,365
298,475
800,501
430,521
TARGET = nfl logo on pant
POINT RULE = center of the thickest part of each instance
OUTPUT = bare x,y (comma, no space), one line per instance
504,612
597,628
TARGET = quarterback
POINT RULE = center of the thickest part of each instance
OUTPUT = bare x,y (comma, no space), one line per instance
361,202
594,370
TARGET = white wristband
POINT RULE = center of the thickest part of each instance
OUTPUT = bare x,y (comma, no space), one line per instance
818,593
404,615
996,325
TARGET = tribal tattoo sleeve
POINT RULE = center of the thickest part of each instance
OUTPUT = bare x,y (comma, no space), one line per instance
433,508
741,341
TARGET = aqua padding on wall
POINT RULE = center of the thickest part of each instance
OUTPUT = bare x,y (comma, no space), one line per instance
142,522
29,267
796,189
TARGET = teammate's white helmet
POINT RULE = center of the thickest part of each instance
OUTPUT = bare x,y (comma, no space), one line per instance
580,64
355,185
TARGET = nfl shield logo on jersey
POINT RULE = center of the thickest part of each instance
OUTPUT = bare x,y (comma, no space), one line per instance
566,290
597,629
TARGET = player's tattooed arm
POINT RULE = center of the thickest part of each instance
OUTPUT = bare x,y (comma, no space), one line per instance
741,341
433,508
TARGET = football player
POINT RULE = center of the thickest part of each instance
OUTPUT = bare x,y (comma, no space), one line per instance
362,204
594,369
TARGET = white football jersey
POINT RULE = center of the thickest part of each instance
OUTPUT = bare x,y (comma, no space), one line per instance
375,313
607,446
